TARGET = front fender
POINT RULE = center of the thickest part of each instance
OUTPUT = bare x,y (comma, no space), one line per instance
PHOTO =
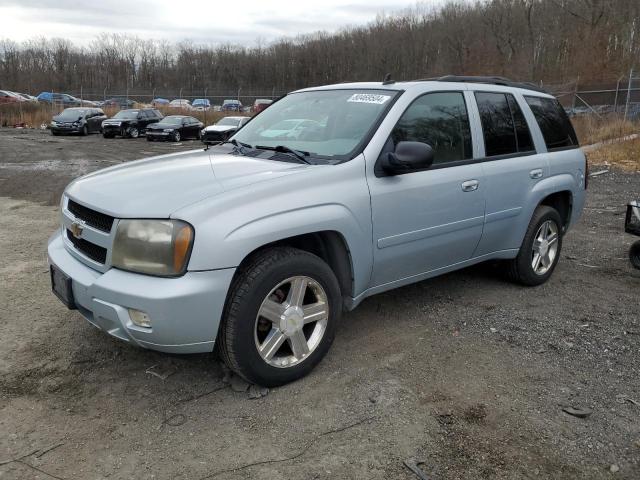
231,226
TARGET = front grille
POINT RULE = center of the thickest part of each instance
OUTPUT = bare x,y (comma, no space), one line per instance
91,250
97,220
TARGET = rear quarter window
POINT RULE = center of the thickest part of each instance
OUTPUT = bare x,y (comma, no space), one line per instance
556,128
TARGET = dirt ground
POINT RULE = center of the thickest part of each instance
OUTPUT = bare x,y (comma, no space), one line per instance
466,373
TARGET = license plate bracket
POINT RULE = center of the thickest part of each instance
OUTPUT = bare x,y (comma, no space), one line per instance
61,287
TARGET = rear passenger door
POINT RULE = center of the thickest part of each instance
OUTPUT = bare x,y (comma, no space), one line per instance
430,219
511,168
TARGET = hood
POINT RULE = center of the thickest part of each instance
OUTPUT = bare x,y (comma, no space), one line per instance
156,187
157,126
219,128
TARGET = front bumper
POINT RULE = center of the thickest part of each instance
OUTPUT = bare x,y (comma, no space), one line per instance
64,129
185,311
158,134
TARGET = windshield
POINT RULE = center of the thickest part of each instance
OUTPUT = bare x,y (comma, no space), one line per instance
126,114
69,115
328,123
228,121
171,120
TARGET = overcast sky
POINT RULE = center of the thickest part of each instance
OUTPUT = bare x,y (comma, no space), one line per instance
214,21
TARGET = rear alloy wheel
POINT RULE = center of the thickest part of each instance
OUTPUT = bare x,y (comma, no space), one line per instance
133,132
280,316
176,136
540,249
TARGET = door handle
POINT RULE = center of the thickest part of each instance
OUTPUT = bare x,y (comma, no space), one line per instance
470,186
536,173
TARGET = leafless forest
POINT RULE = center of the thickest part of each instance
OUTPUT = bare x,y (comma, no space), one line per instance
552,41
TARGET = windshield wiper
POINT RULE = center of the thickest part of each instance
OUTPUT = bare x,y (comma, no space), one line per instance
239,145
299,154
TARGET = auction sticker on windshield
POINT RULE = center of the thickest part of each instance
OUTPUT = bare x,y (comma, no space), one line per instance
368,98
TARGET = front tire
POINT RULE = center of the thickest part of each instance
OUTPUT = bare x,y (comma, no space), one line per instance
133,132
176,136
540,249
280,316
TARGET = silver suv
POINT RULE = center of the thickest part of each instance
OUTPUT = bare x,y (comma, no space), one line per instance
330,195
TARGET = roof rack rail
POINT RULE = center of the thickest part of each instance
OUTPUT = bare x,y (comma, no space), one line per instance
487,80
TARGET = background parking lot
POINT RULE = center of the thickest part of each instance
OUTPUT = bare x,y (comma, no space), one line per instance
465,372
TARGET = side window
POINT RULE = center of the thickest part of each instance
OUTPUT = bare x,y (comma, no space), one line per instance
555,126
439,119
523,135
504,127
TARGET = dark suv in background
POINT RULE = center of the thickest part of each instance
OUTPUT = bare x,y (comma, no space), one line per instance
130,123
78,120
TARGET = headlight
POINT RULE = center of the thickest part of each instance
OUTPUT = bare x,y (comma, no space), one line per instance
154,247
168,130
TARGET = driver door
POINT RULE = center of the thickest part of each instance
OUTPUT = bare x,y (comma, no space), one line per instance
428,220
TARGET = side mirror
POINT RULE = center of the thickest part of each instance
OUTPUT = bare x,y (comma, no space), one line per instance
408,157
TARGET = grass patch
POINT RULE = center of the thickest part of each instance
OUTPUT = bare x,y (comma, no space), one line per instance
625,155
594,129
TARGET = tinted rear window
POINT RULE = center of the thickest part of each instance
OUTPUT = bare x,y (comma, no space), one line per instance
556,128
504,128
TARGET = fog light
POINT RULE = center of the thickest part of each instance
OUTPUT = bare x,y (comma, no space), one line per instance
141,319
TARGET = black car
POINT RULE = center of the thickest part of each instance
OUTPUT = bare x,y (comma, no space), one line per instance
130,123
175,128
78,120
120,102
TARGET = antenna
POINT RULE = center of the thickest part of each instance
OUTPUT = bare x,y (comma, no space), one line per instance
387,79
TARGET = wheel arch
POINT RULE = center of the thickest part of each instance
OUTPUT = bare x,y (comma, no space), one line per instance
329,245
562,202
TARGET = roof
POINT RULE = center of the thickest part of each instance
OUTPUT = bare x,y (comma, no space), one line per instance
461,80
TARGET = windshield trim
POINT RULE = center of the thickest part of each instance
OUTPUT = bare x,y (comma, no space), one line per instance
359,148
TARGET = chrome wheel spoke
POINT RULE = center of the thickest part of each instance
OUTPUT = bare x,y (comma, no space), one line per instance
314,312
553,238
272,344
271,310
299,345
536,261
298,289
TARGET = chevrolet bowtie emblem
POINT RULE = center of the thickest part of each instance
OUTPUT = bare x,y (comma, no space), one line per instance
76,229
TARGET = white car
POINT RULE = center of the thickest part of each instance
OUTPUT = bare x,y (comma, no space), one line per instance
180,103
223,130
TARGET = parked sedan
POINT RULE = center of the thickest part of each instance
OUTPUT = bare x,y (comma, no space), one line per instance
130,123
7,96
232,106
260,104
175,128
180,103
223,130
120,102
201,105
63,99
78,120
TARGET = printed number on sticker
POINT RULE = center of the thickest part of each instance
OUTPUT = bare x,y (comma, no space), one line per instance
368,98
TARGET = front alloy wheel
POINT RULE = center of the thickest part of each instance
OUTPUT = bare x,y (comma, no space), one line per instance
280,316
176,136
291,321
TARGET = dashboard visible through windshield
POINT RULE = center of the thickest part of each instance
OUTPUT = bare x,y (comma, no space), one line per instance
323,123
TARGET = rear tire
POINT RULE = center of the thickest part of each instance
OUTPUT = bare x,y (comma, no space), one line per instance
634,255
268,284
536,251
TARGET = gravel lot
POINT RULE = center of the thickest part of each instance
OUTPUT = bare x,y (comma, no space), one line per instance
466,372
